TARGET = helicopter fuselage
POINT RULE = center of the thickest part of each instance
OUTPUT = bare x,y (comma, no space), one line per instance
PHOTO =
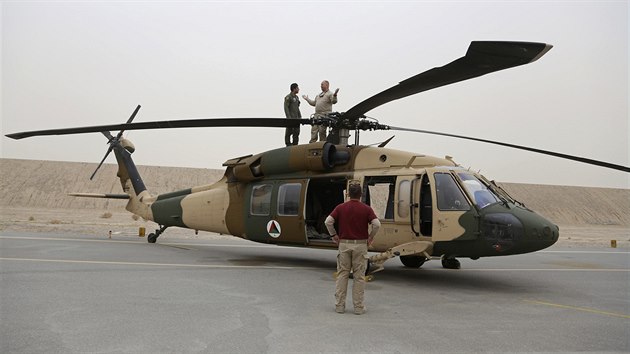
283,196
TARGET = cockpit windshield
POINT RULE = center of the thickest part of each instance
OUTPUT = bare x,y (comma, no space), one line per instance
482,195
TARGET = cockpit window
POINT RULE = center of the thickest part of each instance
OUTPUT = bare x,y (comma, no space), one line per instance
482,196
449,196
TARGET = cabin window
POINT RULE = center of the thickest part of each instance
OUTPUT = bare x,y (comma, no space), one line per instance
404,193
378,193
289,199
261,199
449,196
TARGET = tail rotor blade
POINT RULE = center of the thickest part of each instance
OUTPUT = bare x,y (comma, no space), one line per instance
133,115
109,150
110,141
108,135
113,140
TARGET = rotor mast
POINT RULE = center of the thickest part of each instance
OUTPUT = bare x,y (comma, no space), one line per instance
341,125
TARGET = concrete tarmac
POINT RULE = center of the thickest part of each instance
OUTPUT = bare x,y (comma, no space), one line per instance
62,293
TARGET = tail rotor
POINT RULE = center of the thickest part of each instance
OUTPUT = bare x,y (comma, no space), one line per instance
113,140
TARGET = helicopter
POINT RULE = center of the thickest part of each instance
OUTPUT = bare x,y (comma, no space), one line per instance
429,207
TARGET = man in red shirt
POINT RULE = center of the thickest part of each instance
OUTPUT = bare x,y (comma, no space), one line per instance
353,239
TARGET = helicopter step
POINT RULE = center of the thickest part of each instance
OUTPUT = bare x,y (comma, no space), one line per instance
409,249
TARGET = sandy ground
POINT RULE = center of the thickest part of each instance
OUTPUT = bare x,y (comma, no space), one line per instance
122,224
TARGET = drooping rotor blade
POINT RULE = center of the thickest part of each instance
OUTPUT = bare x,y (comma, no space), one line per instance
480,59
540,151
186,123
386,142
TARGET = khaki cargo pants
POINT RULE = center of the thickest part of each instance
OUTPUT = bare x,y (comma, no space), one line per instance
318,131
351,256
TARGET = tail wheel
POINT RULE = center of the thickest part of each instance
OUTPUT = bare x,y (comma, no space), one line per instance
413,261
151,238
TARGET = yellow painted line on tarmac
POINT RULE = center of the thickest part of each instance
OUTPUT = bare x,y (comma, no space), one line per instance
582,309
180,265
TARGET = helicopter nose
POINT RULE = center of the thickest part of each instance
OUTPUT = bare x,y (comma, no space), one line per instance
518,231
547,233
540,233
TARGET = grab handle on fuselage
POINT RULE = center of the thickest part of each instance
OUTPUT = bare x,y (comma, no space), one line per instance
414,204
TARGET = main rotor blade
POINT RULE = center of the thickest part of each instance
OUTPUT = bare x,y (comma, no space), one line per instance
186,123
480,59
545,152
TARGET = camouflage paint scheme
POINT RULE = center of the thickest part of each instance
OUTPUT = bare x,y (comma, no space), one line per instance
224,207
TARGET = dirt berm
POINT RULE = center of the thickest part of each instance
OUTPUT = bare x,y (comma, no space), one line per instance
34,197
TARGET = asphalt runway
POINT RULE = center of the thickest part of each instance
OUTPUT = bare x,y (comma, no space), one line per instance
73,294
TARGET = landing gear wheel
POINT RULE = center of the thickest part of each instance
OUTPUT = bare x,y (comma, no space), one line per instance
154,236
450,263
413,261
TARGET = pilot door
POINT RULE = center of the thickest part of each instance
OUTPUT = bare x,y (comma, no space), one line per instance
275,211
445,213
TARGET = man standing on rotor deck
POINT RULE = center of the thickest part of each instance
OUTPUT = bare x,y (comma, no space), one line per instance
353,239
323,105
292,111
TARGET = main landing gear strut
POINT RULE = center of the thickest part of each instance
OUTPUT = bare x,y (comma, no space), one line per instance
154,236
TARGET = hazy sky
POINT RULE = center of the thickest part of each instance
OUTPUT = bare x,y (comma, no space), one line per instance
70,64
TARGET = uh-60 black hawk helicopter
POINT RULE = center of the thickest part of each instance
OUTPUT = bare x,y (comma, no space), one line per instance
429,207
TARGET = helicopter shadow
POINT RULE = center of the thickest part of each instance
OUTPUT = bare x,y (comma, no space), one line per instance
431,275
439,279
273,257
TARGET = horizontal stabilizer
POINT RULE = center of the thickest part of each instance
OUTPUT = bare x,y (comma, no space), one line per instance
100,195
